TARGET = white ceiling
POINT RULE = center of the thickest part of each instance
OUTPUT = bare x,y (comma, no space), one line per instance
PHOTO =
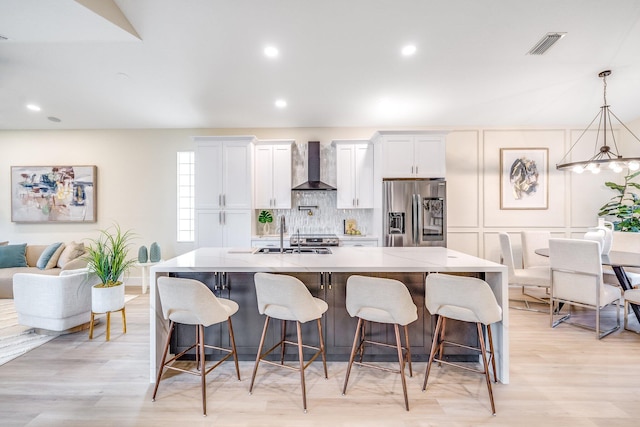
200,63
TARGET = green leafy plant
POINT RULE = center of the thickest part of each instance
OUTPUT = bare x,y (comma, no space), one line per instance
625,206
107,255
265,216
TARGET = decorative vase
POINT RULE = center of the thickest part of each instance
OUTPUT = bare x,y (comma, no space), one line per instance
143,256
603,233
108,299
154,252
607,228
266,228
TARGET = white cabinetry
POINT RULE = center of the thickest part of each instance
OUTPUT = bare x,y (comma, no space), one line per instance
354,166
413,154
359,241
226,228
272,175
223,190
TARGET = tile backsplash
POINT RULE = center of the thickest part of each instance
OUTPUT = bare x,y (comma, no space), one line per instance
324,218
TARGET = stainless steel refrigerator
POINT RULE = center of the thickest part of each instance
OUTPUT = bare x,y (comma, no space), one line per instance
414,212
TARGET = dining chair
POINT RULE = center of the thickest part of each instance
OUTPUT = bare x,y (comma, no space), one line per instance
576,280
631,296
532,240
533,277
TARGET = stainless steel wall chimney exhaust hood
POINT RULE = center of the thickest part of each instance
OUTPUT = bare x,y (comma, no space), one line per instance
313,182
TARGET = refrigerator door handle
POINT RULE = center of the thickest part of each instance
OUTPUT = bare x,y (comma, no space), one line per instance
418,223
414,219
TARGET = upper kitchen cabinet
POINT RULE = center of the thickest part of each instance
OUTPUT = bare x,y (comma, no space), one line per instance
419,154
354,166
223,172
272,174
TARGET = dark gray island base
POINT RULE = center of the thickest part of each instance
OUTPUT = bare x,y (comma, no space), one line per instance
229,274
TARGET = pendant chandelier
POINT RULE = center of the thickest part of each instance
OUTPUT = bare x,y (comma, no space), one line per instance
604,155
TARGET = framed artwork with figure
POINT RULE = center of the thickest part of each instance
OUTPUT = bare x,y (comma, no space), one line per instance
524,178
53,194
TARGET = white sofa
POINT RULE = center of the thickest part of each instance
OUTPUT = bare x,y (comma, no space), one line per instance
32,255
55,303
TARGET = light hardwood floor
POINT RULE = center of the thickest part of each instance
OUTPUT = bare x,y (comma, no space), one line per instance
559,377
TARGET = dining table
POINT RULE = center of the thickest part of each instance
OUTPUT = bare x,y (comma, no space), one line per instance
617,260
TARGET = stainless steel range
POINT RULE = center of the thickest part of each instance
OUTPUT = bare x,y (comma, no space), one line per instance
315,240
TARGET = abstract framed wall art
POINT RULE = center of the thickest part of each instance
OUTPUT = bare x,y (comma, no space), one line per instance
53,194
524,178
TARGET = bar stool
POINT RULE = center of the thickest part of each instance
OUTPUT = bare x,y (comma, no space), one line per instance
466,299
630,296
286,298
190,302
388,301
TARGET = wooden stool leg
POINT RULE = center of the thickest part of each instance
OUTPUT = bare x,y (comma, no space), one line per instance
352,356
233,347
486,366
164,357
124,322
301,357
91,325
259,356
406,339
434,348
401,362
322,349
203,371
108,323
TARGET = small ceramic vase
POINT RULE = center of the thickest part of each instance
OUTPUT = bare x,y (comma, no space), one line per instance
143,256
154,252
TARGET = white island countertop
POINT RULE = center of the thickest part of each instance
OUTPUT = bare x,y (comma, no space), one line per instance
344,260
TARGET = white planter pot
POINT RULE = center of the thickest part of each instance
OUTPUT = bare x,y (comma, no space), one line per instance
107,299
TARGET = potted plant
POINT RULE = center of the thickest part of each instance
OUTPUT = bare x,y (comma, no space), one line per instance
107,258
265,218
625,207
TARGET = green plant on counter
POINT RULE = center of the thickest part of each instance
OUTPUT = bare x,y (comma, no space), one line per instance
107,255
625,207
264,217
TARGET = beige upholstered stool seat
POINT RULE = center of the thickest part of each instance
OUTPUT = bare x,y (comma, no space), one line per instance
191,302
286,298
631,296
465,299
380,300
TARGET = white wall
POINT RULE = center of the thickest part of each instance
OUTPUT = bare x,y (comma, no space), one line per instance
136,181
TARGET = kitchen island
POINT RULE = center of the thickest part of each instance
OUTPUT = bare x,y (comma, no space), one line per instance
229,273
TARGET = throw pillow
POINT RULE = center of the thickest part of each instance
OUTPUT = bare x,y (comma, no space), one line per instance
71,251
53,261
13,256
47,254
4,243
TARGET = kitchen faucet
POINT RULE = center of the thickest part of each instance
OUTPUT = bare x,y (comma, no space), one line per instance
282,225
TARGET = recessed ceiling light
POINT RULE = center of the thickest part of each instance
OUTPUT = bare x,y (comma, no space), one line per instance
409,50
281,103
271,51
33,107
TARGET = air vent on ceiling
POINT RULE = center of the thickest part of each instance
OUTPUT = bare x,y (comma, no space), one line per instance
545,43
